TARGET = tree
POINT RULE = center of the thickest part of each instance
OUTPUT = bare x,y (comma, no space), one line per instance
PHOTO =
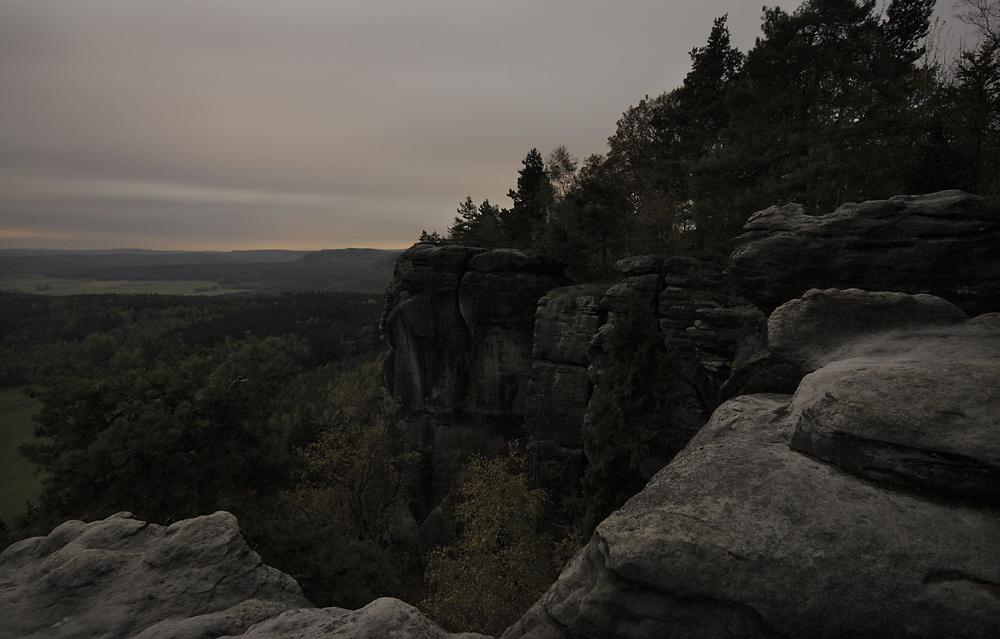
499,565
984,15
522,224
905,27
430,238
476,226
190,435
633,160
826,110
588,230
974,118
460,231
689,127
560,167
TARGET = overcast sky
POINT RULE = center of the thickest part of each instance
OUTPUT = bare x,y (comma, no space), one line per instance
239,124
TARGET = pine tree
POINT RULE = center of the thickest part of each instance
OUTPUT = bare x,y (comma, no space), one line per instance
522,224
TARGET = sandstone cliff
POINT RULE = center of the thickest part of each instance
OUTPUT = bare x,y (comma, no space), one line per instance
864,504
944,244
458,331
849,488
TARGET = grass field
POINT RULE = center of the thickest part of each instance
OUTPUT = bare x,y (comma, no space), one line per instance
63,286
18,480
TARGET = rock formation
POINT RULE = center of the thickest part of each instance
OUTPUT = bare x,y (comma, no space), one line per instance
458,328
704,327
944,244
560,384
849,488
197,578
863,505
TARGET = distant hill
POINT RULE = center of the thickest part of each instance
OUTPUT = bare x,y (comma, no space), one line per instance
352,269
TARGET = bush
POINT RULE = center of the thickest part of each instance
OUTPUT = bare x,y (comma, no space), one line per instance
500,564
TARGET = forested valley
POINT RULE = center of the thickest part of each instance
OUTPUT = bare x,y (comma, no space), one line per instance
174,406
272,406
267,406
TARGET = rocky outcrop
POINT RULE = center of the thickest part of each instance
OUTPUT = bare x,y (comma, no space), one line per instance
703,327
197,578
862,505
458,327
560,385
944,244
918,408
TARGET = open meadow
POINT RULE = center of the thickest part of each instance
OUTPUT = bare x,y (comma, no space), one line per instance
19,483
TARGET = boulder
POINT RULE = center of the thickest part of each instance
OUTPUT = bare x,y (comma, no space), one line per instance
195,579
944,244
811,330
926,418
381,619
121,577
862,505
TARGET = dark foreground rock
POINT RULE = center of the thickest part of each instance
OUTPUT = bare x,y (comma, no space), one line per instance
798,516
944,244
195,579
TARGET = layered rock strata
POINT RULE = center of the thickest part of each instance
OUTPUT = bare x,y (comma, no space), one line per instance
703,327
862,505
560,384
944,244
458,328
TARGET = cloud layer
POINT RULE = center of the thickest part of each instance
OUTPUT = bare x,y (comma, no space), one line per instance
309,124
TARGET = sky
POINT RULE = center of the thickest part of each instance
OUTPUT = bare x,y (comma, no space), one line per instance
245,124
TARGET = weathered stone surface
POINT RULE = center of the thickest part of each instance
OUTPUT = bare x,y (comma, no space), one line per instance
944,244
195,579
742,535
637,289
381,619
763,372
560,398
427,340
640,265
121,577
498,305
458,327
566,320
811,330
926,418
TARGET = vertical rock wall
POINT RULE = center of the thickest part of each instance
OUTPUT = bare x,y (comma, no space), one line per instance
458,328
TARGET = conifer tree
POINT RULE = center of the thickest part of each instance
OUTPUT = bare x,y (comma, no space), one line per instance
522,224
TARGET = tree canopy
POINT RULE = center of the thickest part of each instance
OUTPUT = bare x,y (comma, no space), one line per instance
838,101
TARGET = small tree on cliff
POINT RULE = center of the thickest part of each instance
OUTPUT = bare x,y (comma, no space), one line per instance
500,564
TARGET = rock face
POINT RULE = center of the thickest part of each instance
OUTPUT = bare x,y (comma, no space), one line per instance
703,326
197,578
559,385
458,328
863,505
944,244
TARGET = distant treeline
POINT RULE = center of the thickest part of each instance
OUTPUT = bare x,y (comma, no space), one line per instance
265,271
838,101
41,335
